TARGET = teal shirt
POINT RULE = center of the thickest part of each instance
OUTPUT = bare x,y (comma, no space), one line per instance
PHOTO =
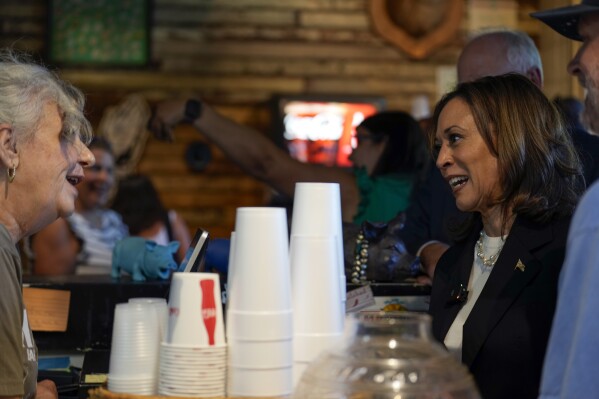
382,197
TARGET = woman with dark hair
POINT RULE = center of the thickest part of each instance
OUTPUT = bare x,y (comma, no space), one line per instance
388,159
139,205
504,151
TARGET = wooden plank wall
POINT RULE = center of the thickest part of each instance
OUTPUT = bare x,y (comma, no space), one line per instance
237,54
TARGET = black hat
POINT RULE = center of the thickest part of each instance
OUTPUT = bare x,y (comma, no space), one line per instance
564,20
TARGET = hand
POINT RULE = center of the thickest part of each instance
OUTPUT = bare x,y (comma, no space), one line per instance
46,389
166,115
429,256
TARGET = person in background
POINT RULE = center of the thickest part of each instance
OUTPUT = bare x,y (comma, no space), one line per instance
139,205
83,243
388,159
42,156
427,231
54,254
503,149
570,370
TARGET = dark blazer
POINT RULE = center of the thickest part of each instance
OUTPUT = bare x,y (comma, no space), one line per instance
506,334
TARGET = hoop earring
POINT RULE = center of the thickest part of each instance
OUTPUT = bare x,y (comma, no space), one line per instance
11,172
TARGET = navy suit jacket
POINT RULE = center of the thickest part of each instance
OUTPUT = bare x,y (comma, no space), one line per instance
506,334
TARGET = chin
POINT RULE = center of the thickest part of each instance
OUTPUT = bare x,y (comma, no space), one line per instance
66,210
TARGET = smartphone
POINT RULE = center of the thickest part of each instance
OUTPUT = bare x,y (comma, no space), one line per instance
196,253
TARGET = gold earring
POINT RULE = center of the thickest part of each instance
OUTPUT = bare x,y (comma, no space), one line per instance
11,172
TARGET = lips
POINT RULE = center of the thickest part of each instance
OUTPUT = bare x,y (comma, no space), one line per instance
74,179
457,182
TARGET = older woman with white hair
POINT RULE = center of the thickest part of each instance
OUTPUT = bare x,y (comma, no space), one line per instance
42,156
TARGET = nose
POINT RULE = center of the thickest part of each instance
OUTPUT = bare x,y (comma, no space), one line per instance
443,158
84,156
574,64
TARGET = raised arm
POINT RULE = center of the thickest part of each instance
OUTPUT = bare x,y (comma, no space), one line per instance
256,154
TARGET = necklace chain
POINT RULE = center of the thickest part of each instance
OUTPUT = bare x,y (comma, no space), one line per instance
480,253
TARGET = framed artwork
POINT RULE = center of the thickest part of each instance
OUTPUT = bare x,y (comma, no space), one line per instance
99,33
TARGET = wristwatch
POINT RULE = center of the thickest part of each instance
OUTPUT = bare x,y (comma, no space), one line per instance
193,110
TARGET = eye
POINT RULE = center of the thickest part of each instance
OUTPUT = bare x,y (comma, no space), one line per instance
453,138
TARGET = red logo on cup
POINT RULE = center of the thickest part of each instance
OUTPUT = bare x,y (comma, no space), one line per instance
208,308
173,311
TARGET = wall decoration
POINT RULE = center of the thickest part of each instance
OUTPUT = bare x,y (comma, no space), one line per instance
417,26
111,33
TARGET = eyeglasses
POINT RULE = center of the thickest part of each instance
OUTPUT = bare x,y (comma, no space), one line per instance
359,138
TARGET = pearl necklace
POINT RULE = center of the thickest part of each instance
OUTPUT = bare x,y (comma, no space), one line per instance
480,253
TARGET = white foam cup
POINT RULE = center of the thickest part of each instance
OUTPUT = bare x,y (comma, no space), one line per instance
195,310
260,278
317,211
315,285
260,326
264,382
260,354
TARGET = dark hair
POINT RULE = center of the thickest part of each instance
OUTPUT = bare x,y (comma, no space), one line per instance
405,151
540,173
138,203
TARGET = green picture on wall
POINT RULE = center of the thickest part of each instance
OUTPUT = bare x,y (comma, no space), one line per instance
99,32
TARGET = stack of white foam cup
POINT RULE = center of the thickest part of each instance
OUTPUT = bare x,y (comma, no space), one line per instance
133,364
193,357
317,272
259,314
317,212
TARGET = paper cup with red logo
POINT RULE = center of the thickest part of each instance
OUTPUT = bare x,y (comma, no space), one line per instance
195,310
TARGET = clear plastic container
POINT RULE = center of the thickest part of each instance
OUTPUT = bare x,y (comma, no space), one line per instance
387,356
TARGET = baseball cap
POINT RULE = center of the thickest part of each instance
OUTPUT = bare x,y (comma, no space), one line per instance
564,20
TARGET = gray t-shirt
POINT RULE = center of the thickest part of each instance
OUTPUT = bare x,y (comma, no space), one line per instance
18,359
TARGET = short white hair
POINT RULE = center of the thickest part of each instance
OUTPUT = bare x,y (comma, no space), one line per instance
25,87
522,53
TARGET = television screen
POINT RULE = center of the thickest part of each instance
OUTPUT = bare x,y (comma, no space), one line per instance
321,129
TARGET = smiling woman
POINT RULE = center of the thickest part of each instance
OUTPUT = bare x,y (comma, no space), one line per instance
502,147
83,242
42,155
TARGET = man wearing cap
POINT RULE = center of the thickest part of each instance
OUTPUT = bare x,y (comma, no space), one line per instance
570,369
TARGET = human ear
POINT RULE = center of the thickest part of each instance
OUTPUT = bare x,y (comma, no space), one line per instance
534,74
8,149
